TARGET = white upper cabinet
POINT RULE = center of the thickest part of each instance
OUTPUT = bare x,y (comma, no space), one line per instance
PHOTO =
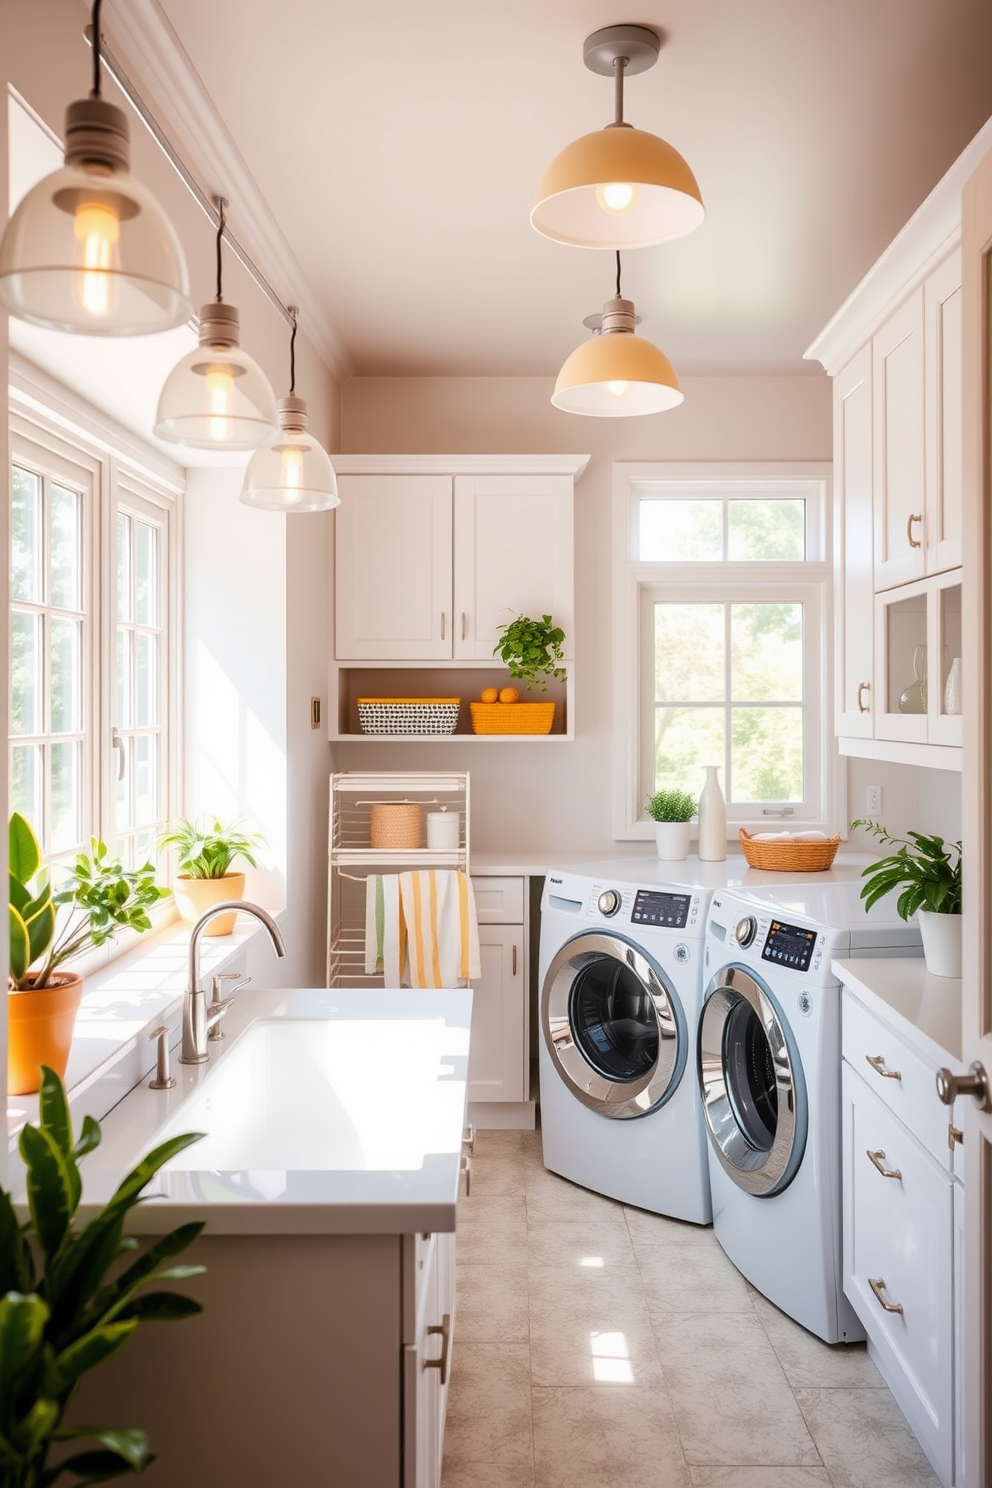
942,402
854,593
899,481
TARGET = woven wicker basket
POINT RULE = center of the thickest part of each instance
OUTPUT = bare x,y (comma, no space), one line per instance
407,715
512,718
789,857
396,825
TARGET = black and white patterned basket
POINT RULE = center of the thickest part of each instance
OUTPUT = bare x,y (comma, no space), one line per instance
408,715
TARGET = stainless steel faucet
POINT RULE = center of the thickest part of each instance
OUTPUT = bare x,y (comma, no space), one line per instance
197,1022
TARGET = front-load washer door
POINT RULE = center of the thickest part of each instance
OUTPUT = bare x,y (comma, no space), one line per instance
751,1081
613,1025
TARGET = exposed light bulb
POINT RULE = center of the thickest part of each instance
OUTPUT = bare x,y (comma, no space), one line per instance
291,471
617,388
96,227
616,196
220,391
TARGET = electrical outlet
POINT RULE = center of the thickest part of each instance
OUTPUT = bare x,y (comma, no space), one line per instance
873,800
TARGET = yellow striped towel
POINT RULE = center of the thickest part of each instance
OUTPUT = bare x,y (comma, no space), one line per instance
438,912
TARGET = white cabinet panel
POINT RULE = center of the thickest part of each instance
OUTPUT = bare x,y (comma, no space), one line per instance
899,487
942,331
853,578
497,1051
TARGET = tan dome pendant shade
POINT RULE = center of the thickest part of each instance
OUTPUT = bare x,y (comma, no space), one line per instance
616,373
89,250
619,187
217,397
291,472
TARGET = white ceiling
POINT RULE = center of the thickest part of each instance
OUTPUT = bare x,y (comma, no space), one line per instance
398,145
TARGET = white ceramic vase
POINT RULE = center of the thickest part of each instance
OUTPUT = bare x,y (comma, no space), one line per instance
672,840
941,942
952,687
712,819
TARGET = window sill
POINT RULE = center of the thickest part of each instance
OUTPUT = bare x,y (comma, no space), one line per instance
123,1000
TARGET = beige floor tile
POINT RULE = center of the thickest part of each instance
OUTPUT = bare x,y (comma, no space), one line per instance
579,1244
500,1171
492,1303
589,1327
489,1407
731,1400
810,1362
757,1477
485,1475
650,1230
691,1278
587,1438
551,1197
492,1228
864,1440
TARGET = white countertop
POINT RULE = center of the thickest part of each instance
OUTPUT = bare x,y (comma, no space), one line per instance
924,1009
642,863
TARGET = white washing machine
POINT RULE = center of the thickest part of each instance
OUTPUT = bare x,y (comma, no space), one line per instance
768,1071
621,978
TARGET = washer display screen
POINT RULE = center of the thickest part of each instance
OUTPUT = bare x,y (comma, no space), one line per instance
789,945
653,908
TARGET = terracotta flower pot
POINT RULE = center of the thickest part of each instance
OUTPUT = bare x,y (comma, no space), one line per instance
194,896
39,1031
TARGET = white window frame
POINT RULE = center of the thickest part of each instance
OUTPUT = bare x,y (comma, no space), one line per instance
809,582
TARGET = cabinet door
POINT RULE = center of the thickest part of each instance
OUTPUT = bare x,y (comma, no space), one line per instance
853,580
899,487
497,1051
942,332
393,567
902,663
513,556
422,1382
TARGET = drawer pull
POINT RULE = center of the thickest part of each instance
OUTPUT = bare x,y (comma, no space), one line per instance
444,1329
913,542
878,1286
442,625
876,1161
465,1171
513,968
877,1062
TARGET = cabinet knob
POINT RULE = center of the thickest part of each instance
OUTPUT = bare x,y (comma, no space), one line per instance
974,1083
863,687
918,542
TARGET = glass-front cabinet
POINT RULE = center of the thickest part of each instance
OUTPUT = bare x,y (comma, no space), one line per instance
918,661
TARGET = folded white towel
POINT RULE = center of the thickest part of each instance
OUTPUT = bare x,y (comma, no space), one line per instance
442,932
811,836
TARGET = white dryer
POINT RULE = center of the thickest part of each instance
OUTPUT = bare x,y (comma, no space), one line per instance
621,977
768,1069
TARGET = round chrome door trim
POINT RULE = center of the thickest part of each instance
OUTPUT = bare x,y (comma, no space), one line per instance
737,1003
626,1099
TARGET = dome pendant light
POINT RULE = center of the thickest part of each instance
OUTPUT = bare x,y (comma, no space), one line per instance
89,250
620,187
616,374
291,472
217,397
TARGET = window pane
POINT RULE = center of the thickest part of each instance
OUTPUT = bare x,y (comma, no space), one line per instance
766,754
124,567
67,828
25,781
25,535
146,574
25,673
66,673
124,719
687,739
146,680
689,653
764,531
679,531
145,778
122,790
67,549
766,647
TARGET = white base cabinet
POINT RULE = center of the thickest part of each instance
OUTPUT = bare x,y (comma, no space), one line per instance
427,1356
498,1058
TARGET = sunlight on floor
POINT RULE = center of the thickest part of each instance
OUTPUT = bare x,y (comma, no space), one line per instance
610,1360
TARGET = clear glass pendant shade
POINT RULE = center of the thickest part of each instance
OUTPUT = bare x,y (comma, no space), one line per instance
291,472
217,397
89,249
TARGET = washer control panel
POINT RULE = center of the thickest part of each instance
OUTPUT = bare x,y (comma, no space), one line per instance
745,930
609,903
666,911
790,946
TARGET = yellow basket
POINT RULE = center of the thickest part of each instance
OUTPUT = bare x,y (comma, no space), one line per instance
789,857
512,718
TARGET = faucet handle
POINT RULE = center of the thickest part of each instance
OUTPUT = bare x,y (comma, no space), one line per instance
163,1080
220,1005
217,985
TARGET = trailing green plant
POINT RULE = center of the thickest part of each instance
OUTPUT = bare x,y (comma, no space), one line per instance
531,650
101,897
206,848
925,868
671,805
67,1300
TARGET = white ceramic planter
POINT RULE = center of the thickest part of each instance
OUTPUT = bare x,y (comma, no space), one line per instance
941,942
672,840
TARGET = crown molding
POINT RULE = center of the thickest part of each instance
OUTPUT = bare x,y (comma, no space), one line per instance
174,93
448,464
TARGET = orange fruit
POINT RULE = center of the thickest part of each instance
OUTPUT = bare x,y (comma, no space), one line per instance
509,695
488,695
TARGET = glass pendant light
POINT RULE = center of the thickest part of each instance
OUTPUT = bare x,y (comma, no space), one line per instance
89,250
217,397
616,374
619,187
291,472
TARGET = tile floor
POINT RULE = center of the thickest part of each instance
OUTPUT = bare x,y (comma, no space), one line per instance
598,1346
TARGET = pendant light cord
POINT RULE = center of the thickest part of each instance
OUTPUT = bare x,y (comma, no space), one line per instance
292,351
618,273
95,25
221,222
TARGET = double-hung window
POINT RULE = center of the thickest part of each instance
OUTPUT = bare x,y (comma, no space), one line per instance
722,628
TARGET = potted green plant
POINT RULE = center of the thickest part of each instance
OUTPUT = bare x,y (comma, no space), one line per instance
67,1301
99,896
672,812
532,650
927,871
205,849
